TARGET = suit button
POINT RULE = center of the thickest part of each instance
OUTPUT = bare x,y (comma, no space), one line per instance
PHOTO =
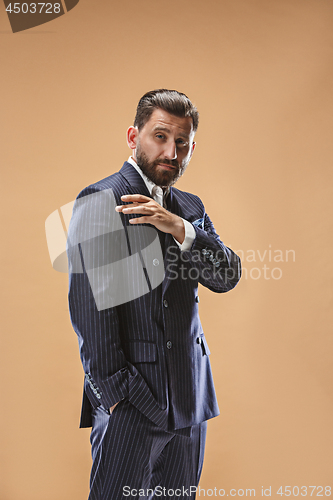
197,298
156,262
165,303
169,344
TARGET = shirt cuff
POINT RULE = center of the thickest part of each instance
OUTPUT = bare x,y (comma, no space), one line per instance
189,236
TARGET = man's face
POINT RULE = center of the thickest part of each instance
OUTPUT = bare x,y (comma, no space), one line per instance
164,147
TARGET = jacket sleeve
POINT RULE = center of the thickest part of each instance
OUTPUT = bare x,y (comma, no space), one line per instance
90,296
219,266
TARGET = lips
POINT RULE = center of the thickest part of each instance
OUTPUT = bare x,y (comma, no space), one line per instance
167,167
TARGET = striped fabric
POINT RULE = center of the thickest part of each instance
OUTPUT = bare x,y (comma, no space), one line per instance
134,458
151,350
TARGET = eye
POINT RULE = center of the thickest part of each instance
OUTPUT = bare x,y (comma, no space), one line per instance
181,143
160,136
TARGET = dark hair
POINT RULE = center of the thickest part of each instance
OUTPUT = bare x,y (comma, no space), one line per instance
172,101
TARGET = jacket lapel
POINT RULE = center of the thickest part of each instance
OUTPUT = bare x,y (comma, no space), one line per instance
173,204
136,185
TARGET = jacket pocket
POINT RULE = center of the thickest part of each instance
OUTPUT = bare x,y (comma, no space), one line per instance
141,352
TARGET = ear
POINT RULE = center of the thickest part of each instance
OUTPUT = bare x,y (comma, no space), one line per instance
193,148
132,135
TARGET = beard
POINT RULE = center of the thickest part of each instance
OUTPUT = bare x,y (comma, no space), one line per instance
164,178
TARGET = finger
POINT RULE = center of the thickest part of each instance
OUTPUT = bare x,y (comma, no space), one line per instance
138,210
141,220
135,197
120,208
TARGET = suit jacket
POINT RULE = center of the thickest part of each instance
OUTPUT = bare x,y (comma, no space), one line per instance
152,350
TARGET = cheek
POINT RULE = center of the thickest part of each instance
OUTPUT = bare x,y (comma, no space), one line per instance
152,150
156,152
186,157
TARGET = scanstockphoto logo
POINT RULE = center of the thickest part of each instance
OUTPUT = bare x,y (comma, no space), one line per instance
25,15
122,263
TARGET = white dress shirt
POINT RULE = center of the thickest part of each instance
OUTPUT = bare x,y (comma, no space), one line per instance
157,193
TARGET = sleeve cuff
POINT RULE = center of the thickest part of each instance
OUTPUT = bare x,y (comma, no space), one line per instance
189,237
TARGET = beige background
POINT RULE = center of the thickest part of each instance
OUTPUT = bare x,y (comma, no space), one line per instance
260,72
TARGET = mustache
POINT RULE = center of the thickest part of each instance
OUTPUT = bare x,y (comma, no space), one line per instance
172,163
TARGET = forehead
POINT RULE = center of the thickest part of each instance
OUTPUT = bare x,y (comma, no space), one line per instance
161,119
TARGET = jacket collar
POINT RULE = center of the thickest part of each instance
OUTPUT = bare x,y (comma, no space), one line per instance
134,179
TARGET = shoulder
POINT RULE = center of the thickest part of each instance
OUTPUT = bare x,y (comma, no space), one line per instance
113,182
94,209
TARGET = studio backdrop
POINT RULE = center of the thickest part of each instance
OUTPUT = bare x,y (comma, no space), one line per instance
260,73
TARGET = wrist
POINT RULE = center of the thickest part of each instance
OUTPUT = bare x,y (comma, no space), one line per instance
178,229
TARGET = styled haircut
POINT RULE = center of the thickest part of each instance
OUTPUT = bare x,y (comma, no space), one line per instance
172,101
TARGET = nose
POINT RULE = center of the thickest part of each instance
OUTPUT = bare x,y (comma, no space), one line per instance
170,150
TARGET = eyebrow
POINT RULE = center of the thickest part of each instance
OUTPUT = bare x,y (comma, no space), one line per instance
165,129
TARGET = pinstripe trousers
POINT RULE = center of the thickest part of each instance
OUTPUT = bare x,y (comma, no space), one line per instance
134,458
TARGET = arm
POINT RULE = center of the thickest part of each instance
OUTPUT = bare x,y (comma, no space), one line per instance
219,266
96,325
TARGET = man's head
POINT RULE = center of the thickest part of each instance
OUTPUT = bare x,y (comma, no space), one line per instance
162,135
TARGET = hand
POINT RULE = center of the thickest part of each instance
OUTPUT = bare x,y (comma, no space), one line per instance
153,214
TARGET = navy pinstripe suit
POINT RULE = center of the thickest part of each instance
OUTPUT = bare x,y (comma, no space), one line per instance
152,351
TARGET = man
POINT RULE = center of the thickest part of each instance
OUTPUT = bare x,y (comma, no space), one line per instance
148,385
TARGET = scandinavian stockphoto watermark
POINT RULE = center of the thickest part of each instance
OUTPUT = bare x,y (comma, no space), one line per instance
26,15
254,262
126,262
